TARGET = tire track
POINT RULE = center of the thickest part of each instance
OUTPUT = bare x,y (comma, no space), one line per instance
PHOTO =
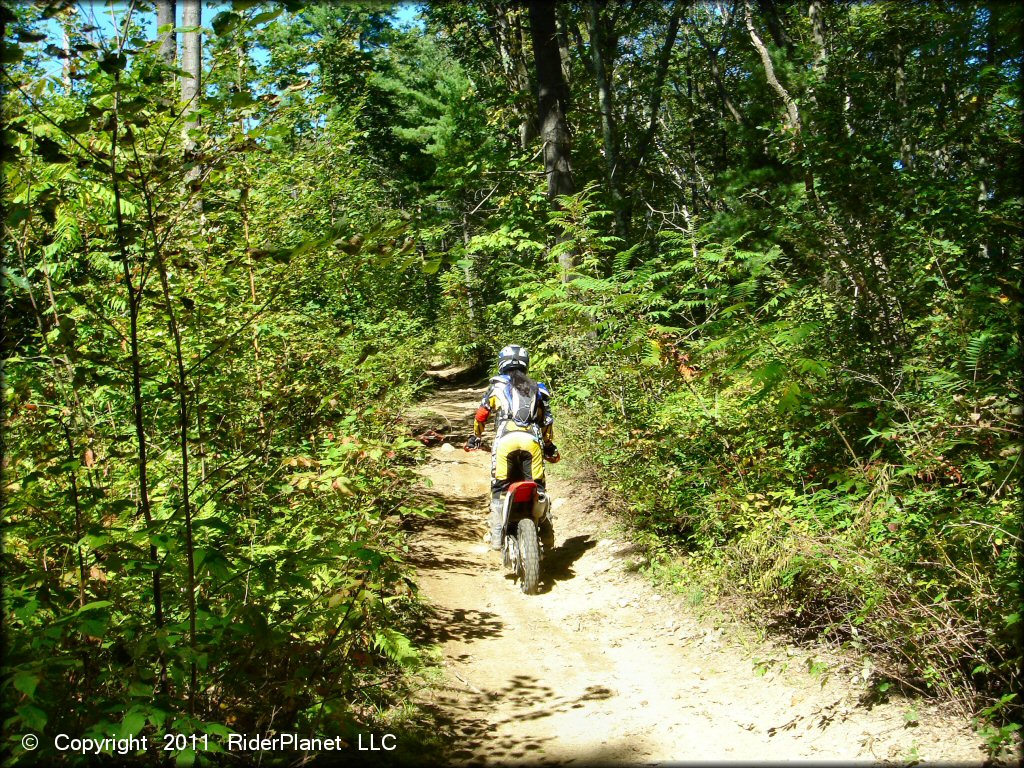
599,668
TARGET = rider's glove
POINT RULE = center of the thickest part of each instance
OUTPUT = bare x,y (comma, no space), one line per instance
473,443
551,453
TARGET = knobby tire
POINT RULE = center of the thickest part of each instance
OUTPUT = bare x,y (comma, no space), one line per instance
529,556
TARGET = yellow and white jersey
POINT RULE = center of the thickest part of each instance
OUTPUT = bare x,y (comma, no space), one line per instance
515,411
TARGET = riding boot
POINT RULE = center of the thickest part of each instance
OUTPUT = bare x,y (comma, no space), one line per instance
547,534
496,520
545,525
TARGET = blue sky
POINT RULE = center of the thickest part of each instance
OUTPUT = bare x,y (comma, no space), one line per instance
99,13
103,16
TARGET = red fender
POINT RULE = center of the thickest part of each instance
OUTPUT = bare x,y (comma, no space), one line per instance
523,491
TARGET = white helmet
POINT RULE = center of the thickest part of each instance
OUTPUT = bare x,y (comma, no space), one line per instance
512,357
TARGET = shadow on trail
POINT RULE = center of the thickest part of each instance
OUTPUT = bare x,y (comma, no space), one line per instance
526,698
427,560
441,625
558,565
452,518
449,414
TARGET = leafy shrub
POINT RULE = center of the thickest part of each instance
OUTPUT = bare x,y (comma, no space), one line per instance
719,396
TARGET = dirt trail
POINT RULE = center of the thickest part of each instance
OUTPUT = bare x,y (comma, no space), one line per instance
601,668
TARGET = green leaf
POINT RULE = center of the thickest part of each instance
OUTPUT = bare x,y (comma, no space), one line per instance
26,682
791,396
396,647
16,214
11,54
32,716
213,522
50,150
112,62
224,22
242,99
134,721
93,627
76,125
94,606
260,18
216,729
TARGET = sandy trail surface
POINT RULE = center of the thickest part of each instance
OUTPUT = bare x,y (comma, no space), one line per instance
601,668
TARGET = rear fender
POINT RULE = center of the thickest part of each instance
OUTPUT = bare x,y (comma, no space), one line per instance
512,510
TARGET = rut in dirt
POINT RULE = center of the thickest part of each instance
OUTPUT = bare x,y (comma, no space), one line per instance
601,668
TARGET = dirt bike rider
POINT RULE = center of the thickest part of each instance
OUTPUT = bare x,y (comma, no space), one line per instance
523,437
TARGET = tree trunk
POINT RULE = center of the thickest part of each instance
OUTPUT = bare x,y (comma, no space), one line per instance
134,299
561,27
815,14
66,45
906,137
792,115
191,57
770,11
467,270
716,76
191,87
820,66
988,190
508,36
664,58
186,504
552,107
165,16
792,112
599,46
528,127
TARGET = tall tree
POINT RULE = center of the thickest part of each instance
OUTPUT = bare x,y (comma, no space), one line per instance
192,81
166,11
510,38
603,41
191,57
552,107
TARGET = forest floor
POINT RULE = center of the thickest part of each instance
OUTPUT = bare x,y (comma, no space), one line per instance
601,667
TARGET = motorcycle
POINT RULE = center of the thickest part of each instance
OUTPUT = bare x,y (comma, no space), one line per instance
527,533
524,515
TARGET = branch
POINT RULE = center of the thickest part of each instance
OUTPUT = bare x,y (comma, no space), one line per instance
717,75
231,337
792,115
493,190
659,80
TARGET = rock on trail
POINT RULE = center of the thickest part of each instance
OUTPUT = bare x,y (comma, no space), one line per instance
599,668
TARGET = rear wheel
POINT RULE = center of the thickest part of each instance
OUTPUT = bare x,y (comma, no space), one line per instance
529,556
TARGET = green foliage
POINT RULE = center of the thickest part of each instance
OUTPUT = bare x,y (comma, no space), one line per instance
229,534
791,331
998,737
718,394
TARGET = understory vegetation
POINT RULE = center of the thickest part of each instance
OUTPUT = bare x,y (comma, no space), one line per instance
767,254
205,474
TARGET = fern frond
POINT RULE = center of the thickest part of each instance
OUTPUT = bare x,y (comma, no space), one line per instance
974,349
